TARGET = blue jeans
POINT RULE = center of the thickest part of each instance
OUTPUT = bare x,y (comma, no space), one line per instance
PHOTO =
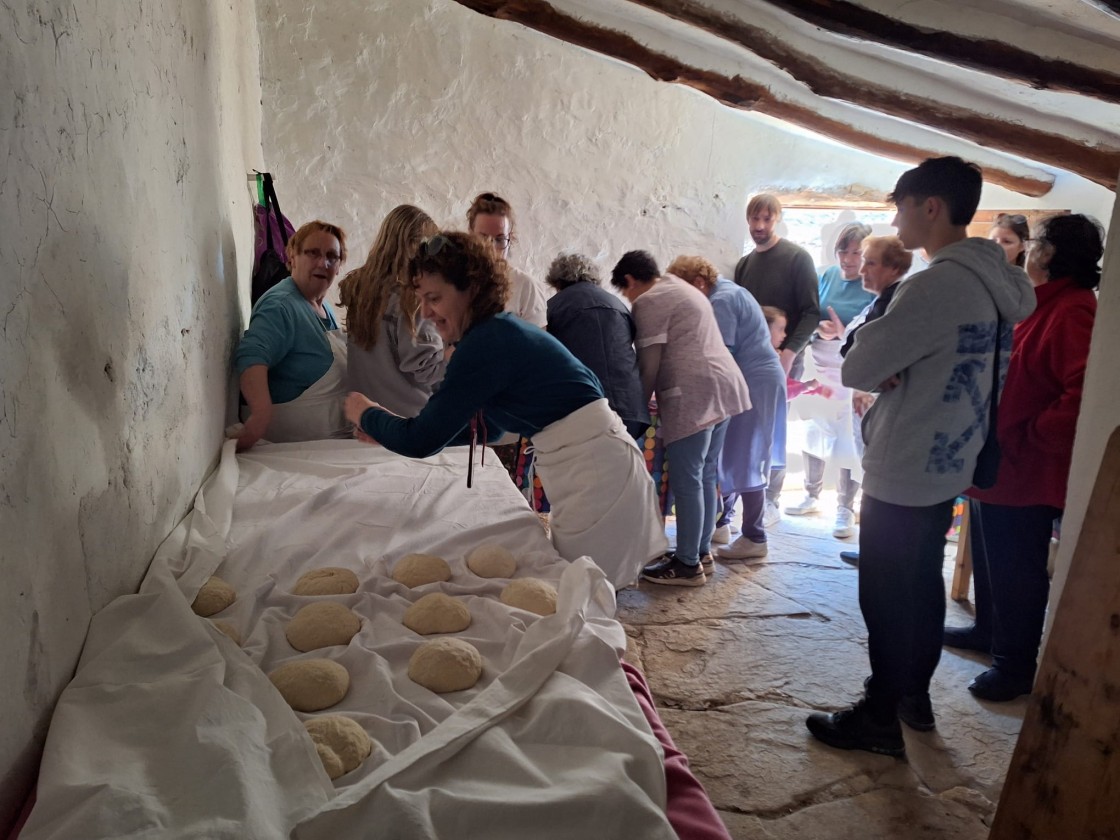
692,477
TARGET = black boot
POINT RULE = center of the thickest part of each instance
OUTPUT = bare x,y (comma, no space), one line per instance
998,686
857,729
916,711
968,638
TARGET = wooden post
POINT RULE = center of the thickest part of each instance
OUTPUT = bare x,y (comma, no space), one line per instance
1064,779
962,572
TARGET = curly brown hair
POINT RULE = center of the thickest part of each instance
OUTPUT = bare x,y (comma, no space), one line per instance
690,269
365,291
467,262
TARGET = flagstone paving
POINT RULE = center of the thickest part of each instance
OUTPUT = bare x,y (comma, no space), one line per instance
735,667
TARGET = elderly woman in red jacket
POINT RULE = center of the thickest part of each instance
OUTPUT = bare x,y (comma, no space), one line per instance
1012,521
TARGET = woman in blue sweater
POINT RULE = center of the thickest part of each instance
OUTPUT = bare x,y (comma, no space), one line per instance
507,376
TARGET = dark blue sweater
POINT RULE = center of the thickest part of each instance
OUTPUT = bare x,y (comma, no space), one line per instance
519,376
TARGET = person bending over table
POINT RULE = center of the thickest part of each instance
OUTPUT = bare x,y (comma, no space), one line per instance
292,358
507,375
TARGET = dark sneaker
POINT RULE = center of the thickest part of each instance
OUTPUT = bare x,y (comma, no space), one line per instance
916,711
672,572
999,687
967,638
855,729
707,563
850,557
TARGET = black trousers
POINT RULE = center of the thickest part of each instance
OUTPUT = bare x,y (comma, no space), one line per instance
902,596
1010,549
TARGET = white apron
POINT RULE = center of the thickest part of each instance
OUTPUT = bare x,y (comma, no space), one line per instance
317,413
604,505
829,432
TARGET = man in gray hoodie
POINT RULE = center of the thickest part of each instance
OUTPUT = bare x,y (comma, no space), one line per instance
930,358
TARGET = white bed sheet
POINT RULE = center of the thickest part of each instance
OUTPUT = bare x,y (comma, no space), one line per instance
169,729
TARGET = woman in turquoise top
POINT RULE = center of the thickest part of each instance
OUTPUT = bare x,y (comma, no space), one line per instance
829,435
291,359
507,376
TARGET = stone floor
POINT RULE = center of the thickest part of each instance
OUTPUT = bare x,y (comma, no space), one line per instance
737,665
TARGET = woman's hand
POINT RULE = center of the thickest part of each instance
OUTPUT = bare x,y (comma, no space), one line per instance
832,327
861,401
356,406
363,437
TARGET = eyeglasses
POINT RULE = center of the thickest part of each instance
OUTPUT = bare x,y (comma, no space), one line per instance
502,241
332,257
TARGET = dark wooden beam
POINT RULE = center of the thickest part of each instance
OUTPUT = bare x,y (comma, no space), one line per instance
984,54
1100,164
729,90
1109,7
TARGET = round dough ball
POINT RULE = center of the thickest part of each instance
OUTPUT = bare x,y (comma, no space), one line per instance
311,684
531,594
492,561
214,596
321,625
341,742
437,613
446,664
417,569
229,630
330,580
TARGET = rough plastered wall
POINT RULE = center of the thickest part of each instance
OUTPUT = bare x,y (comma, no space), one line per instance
126,130
373,103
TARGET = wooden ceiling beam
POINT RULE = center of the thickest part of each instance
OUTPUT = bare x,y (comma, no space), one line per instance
1109,7
1100,163
735,91
985,54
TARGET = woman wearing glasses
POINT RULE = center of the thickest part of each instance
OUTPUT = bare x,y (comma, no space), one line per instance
1012,521
506,375
390,357
292,358
491,217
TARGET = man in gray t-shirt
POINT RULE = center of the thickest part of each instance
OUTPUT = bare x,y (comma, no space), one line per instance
780,274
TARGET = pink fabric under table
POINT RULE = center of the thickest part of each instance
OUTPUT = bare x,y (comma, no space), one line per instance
689,809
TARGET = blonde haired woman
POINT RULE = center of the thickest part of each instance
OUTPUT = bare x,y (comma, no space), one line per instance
392,358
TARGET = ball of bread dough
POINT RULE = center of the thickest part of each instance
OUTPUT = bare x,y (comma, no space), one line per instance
417,569
330,580
437,613
530,594
341,742
446,664
311,684
229,630
492,561
322,624
214,596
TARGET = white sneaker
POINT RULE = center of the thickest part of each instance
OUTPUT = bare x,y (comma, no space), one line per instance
804,507
743,549
845,523
771,515
722,535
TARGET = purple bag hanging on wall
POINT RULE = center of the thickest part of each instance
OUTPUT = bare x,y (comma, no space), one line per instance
273,231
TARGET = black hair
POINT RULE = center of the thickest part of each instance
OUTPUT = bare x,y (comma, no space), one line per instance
638,264
954,181
1078,243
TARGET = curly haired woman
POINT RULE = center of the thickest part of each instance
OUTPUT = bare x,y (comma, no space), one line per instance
507,375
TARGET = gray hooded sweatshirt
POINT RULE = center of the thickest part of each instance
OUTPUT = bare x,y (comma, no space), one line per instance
938,336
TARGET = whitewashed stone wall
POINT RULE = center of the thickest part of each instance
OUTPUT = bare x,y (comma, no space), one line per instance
373,104
126,130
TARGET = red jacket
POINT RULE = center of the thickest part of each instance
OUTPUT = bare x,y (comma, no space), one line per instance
1041,398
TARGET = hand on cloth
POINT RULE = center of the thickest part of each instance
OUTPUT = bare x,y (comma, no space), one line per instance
253,430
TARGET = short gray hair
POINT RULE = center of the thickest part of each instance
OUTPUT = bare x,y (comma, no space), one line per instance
568,269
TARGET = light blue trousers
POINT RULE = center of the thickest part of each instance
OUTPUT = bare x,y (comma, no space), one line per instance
693,462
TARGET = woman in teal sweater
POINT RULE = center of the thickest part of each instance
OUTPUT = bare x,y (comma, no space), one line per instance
507,376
